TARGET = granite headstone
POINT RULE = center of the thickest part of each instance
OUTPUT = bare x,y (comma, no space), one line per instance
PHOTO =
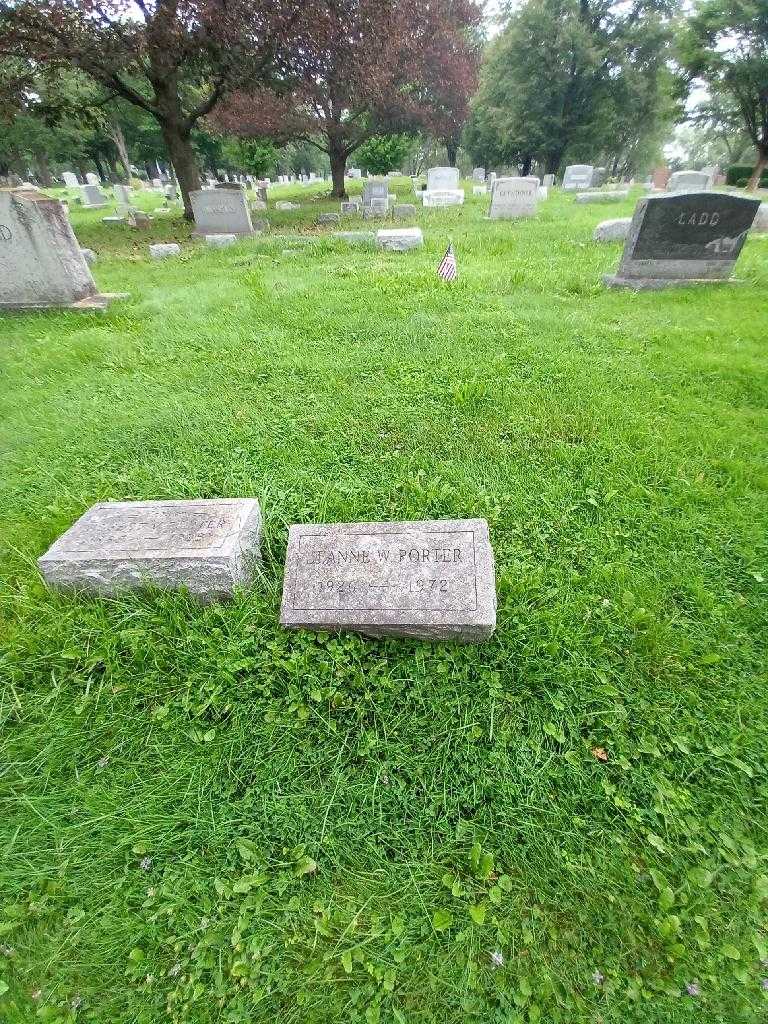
41,263
690,237
221,211
432,580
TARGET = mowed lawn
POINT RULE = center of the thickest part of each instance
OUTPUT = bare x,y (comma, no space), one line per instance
205,818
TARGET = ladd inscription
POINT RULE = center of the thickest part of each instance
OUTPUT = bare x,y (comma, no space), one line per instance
431,579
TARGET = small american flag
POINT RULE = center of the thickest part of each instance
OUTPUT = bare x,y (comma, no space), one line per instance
448,270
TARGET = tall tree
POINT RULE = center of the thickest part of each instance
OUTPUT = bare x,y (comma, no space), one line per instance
367,67
725,46
174,59
576,78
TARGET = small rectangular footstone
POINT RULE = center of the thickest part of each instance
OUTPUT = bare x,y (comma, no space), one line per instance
399,239
206,545
432,580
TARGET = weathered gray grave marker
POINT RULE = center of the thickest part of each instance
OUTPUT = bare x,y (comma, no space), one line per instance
690,237
41,263
208,545
432,580
578,176
221,211
514,197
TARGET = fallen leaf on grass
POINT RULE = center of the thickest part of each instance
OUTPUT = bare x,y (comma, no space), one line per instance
599,753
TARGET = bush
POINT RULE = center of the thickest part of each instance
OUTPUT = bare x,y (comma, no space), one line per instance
383,153
739,175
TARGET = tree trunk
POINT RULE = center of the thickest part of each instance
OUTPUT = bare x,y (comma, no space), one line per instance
114,174
452,149
43,169
100,167
116,133
182,156
762,162
525,170
338,159
81,171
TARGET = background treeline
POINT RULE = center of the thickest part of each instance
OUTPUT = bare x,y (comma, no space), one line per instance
300,86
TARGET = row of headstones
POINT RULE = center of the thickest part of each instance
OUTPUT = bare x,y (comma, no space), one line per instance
672,239
432,579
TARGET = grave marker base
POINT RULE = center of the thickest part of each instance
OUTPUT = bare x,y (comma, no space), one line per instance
657,284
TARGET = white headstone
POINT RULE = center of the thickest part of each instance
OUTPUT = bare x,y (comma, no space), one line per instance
69,179
548,181
513,197
442,179
41,264
375,188
93,197
578,176
221,211
123,196
478,174
688,181
92,179
162,250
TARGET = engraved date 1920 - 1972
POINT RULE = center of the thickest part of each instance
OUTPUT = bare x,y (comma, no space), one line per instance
345,588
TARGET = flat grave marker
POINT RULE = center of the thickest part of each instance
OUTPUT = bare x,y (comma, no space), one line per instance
432,580
207,545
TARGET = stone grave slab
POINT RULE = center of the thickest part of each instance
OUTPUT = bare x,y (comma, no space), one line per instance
351,208
578,176
92,197
478,174
548,181
689,237
399,239
612,230
70,179
328,218
283,204
162,250
92,179
377,207
375,188
514,197
221,211
404,211
209,546
688,181
589,198
41,264
432,580
220,241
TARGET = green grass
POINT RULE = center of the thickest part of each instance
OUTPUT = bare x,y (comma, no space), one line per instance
344,830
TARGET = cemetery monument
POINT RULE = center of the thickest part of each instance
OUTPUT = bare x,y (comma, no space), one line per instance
687,238
41,263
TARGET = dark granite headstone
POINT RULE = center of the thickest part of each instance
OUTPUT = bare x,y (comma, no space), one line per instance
682,238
